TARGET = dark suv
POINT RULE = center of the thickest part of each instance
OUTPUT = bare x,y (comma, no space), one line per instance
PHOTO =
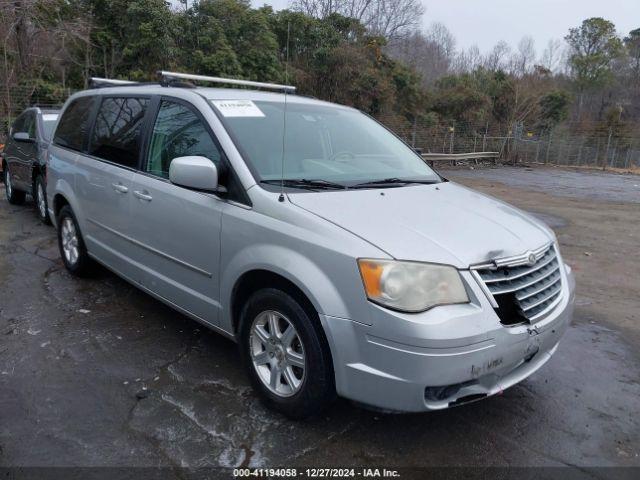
24,158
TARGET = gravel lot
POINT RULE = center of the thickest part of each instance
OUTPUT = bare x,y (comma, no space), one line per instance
96,373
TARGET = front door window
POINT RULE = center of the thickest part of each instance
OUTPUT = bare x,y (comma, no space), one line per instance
178,132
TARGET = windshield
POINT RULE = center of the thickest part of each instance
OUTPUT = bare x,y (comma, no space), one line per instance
48,123
332,144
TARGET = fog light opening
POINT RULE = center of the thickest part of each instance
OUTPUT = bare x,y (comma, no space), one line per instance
439,394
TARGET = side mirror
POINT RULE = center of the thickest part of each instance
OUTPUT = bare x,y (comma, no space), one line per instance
198,173
23,137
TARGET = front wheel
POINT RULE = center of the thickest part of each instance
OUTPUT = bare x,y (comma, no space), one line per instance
15,197
286,355
40,197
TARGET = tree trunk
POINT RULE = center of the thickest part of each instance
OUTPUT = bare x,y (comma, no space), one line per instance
22,35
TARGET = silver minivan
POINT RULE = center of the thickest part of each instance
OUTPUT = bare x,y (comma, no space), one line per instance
335,257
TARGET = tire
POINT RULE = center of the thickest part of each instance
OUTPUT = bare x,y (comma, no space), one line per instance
299,392
15,197
72,248
40,200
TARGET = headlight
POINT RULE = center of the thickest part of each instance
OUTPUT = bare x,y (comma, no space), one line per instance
411,286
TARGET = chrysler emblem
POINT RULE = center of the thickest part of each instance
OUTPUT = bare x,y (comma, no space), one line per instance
531,260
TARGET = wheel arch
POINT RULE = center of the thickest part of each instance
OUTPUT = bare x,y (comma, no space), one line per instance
59,201
254,280
36,170
257,264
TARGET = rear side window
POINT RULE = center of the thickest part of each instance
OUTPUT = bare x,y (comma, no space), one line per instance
116,134
74,124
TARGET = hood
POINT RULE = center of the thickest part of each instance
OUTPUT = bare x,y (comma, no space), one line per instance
442,223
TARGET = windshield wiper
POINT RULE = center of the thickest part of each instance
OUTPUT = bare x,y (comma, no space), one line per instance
391,182
305,183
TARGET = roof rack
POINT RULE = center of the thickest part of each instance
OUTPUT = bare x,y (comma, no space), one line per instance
168,76
98,82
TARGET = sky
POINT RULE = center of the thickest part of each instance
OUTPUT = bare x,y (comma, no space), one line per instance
485,23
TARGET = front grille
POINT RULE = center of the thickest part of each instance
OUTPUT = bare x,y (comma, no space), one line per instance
524,292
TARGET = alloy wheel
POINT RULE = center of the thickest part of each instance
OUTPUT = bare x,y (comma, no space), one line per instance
7,183
41,199
69,240
277,353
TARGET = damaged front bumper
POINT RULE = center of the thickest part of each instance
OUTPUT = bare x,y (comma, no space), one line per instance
444,357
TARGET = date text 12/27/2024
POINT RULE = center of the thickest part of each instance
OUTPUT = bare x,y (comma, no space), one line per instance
315,473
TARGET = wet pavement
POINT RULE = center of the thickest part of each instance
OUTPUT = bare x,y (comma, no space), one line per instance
96,373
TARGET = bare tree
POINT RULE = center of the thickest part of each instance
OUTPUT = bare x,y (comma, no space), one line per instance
355,8
318,8
552,56
392,19
431,53
632,44
440,35
524,58
36,39
468,60
496,58
24,49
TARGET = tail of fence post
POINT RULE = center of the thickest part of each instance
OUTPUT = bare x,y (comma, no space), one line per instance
628,157
475,141
514,145
606,155
453,134
415,130
546,158
579,159
559,157
484,139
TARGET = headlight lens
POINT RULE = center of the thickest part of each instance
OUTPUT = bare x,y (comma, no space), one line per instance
411,286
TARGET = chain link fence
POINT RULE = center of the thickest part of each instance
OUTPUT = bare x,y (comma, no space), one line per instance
13,100
588,145
443,137
606,151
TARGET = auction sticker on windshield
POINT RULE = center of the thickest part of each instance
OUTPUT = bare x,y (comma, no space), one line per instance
237,108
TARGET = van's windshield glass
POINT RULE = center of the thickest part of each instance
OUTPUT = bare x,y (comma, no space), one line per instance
330,144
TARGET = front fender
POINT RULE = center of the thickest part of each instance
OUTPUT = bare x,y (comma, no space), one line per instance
300,270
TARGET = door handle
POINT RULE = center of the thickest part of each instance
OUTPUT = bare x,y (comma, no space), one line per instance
143,195
118,187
